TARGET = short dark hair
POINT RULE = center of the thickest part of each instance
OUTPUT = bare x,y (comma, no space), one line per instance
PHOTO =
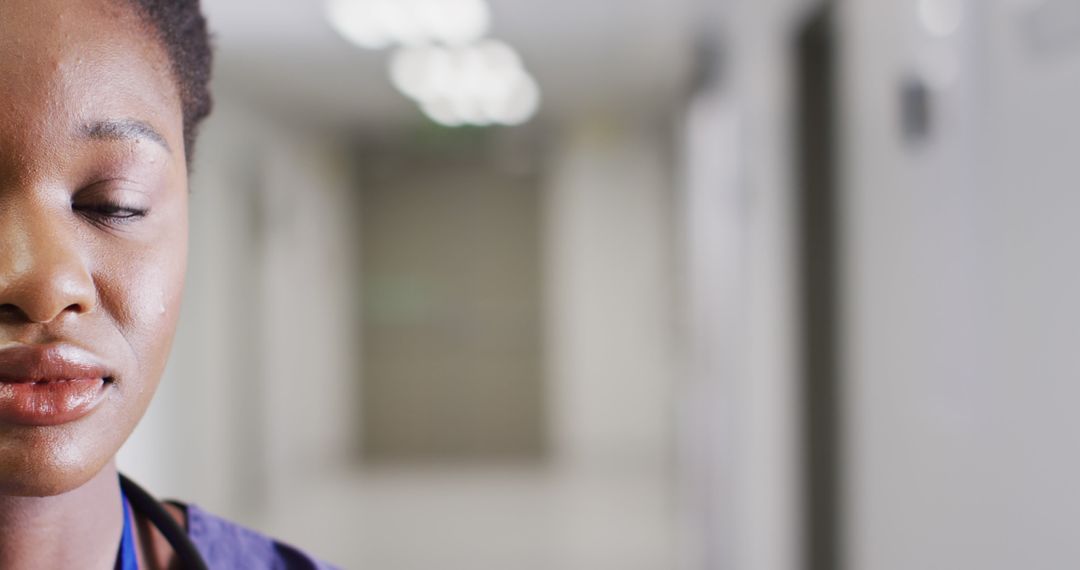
181,29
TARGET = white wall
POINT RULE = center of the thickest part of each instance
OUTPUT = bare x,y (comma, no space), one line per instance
740,398
609,293
310,279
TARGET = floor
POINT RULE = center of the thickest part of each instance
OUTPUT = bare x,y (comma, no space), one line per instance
487,517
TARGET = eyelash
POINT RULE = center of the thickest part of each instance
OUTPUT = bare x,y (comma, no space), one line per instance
110,213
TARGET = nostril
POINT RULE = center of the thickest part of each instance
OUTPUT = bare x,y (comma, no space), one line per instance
14,313
76,308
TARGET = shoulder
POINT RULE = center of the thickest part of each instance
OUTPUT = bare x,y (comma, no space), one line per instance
225,544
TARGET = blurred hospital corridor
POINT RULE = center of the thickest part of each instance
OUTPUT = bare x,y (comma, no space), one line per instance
634,285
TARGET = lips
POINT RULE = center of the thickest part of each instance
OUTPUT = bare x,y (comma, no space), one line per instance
46,385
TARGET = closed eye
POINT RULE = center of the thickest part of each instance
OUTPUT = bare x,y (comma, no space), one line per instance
111,213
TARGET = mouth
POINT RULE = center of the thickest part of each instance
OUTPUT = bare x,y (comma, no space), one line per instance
106,380
47,385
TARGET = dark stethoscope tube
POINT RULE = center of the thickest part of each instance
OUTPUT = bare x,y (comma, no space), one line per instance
142,502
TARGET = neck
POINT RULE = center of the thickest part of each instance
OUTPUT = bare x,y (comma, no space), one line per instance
77,529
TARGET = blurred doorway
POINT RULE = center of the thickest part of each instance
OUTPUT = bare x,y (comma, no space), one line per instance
451,265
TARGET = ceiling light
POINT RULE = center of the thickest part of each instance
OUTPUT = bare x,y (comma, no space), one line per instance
941,17
478,84
377,24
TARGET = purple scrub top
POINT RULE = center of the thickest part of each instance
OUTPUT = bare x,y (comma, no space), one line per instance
228,546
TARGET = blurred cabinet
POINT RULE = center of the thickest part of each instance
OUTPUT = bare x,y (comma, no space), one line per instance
959,285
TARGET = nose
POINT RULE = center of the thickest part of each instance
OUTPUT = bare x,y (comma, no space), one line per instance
43,274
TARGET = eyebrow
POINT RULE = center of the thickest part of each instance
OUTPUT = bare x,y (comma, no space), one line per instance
123,129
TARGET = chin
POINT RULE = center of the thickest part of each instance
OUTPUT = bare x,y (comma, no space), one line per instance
48,462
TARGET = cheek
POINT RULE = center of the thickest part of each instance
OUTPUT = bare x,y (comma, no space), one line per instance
141,291
154,285
151,303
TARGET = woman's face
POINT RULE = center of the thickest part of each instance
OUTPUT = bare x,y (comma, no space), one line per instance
93,235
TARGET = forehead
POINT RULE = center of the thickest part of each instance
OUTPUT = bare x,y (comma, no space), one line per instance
65,63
